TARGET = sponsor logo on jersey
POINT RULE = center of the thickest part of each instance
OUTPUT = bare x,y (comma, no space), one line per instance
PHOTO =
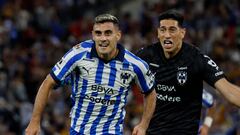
219,73
165,97
168,98
100,100
99,88
211,62
161,87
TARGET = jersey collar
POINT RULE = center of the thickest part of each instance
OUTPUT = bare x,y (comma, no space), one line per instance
119,57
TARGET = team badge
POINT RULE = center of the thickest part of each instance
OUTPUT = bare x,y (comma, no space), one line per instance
125,77
182,77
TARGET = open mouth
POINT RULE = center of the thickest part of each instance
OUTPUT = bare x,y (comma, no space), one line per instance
103,44
167,43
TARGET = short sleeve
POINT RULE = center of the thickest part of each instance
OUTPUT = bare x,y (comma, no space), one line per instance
65,66
144,77
211,71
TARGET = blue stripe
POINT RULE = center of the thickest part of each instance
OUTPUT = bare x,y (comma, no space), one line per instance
112,77
68,52
98,80
69,64
114,112
73,88
141,78
207,104
86,117
121,121
99,73
87,44
116,107
73,132
80,102
137,58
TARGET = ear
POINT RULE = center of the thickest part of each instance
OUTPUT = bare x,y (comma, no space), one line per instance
183,32
93,35
119,35
158,32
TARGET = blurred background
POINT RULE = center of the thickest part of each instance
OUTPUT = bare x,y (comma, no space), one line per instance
35,34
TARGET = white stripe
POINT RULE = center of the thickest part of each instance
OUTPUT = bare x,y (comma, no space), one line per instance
155,65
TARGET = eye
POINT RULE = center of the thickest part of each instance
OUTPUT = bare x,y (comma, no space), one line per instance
172,30
108,32
98,33
162,30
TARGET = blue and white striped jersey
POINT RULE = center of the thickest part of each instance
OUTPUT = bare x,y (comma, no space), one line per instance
100,88
207,99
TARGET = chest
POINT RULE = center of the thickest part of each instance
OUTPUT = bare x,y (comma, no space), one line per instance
178,72
114,73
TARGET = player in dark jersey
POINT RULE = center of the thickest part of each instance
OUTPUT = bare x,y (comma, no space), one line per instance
180,69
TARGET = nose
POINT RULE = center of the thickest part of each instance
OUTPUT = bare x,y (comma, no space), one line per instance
103,38
167,34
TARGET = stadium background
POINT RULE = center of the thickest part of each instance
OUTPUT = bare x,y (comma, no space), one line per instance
34,34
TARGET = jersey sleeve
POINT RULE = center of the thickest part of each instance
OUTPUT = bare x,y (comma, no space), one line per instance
144,77
65,66
211,71
207,99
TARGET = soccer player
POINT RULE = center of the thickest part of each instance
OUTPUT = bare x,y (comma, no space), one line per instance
102,73
209,110
180,69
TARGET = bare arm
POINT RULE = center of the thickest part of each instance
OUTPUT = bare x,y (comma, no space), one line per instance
149,107
40,103
205,127
230,91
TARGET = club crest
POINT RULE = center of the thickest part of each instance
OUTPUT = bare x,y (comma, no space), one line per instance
125,77
182,77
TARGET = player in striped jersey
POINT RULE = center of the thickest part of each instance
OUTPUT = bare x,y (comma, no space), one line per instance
207,113
102,72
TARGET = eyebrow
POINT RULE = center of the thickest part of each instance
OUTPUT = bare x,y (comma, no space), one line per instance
106,31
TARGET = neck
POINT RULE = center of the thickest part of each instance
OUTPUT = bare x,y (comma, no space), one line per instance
173,53
108,57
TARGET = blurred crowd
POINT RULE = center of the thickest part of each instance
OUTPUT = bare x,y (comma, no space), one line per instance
34,35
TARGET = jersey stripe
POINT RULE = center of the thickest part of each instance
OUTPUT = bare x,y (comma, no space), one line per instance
69,64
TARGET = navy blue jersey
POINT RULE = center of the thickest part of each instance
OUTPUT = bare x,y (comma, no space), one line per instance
100,88
179,85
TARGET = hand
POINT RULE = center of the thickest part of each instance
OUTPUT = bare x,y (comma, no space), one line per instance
203,130
32,129
139,130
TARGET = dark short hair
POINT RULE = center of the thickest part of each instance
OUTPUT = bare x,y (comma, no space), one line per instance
172,14
106,18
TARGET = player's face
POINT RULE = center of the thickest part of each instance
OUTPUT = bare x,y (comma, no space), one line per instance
106,35
170,36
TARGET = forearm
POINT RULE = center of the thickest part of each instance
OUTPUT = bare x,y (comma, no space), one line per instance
234,96
149,107
230,91
41,99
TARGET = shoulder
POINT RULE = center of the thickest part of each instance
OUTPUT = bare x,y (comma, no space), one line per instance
84,46
149,49
134,60
191,51
79,49
149,52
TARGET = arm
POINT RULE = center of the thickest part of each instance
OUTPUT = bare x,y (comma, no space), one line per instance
207,123
40,103
230,91
149,107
